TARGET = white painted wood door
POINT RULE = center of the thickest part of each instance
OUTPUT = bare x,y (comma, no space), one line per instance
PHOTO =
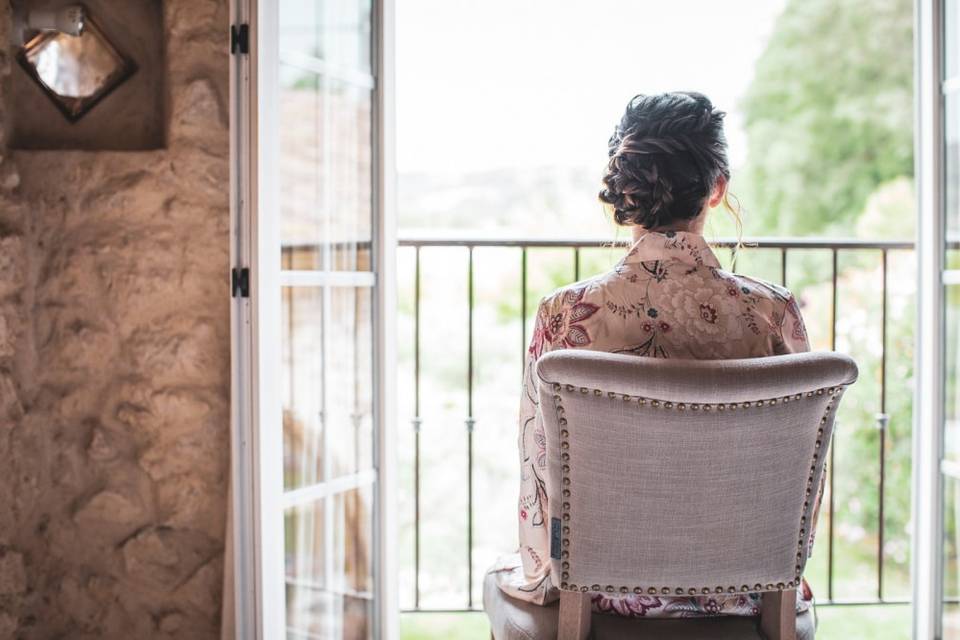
313,386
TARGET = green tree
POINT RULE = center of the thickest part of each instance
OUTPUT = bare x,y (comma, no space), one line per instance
829,115
829,124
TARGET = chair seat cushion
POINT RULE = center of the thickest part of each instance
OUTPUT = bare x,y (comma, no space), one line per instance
512,619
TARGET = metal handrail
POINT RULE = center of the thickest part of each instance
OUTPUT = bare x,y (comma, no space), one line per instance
726,243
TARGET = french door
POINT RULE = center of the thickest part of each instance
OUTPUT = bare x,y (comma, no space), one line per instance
948,518
936,460
313,300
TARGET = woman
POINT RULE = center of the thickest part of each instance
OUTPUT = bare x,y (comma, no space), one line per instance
667,298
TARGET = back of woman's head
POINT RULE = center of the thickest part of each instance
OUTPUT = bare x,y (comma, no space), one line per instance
666,156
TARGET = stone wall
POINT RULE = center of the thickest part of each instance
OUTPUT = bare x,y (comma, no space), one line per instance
114,365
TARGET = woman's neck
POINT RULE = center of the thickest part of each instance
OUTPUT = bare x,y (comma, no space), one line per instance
690,226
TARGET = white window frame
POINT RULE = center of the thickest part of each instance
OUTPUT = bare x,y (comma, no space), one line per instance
257,496
929,364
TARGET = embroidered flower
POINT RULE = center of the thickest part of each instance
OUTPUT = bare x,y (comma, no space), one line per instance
556,323
652,312
805,591
706,320
540,437
711,606
664,327
684,607
565,328
750,318
732,292
657,269
647,326
708,313
562,327
632,606
523,514
625,310
797,329
539,338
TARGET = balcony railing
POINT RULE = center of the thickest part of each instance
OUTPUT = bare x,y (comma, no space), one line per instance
824,271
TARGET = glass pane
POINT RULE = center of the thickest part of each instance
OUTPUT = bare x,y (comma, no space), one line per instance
75,71
951,545
350,382
300,151
952,177
74,66
336,32
327,383
328,546
951,495
951,434
326,172
901,375
951,22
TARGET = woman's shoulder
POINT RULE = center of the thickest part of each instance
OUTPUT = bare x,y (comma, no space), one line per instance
750,285
777,305
582,291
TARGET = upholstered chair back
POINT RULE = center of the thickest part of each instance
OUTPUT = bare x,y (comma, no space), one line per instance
670,477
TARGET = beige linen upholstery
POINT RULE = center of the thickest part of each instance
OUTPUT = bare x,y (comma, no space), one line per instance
721,460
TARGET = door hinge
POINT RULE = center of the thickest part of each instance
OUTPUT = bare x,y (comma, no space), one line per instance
240,38
240,282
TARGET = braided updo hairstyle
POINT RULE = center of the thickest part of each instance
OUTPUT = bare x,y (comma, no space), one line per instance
666,156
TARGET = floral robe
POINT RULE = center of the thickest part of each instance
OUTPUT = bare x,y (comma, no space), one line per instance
667,298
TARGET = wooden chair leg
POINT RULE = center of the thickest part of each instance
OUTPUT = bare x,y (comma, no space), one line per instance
574,616
778,615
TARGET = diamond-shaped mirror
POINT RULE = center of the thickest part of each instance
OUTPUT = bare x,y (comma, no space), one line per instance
76,72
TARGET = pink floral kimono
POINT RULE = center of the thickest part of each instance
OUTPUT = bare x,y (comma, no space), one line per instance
667,298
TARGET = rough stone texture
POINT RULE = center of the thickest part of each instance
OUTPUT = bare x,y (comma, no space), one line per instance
114,365
13,581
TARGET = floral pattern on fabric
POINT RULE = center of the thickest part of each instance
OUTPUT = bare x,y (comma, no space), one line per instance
563,328
667,298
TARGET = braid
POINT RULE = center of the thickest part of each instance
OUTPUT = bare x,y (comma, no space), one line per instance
665,157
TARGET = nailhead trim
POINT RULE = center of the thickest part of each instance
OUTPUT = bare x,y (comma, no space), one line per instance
834,392
802,543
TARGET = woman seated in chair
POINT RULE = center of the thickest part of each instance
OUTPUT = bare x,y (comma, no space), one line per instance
666,298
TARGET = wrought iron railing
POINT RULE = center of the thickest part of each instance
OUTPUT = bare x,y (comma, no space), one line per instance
523,249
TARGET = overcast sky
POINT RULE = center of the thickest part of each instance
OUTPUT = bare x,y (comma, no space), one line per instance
484,84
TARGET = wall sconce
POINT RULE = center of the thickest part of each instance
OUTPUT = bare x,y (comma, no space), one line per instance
68,19
70,58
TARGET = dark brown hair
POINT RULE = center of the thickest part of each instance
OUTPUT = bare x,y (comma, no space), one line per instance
666,156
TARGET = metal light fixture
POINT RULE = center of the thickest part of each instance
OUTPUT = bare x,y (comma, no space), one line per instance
68,19
71,58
